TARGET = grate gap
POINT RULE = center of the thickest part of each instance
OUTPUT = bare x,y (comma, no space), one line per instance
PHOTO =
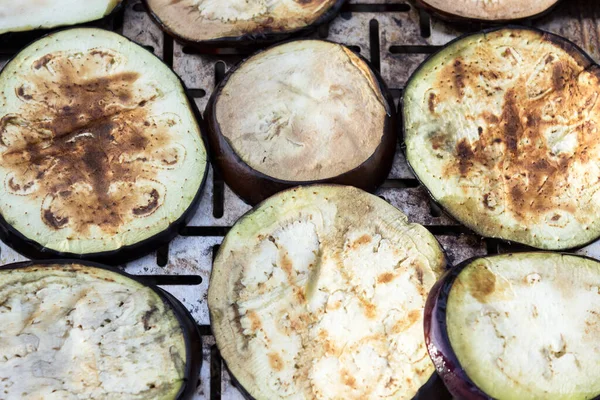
138,7
149,48
414,49
162,255
204,330
400,183
215,373
424,23
219,72
218,195
197,93
119,20
491,246
323,31
435,210
449,230
168,49
374,44
355,49
171,279
204,231
375,8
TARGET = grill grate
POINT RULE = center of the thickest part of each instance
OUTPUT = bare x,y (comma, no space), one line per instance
396,37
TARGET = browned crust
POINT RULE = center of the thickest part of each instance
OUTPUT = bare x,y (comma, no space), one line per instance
253,186
467,156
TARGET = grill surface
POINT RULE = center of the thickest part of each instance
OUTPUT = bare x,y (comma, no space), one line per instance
396,37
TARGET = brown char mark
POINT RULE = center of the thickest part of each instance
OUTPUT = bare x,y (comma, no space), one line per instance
93,122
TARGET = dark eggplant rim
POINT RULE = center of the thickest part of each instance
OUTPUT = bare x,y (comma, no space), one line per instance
32,249
189,328
30,36
258,39
560,41
433,389
436,328
454,18
385,150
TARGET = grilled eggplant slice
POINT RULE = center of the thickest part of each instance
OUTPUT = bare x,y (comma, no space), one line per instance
239,23
27,15
302,112
496,11
319,292
502,129
100,151
73,330
517,326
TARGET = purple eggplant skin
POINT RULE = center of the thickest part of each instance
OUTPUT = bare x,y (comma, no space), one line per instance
438,344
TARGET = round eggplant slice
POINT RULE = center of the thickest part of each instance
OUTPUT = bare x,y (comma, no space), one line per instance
100,151
488,11
502,129
319,292
73,330
302,112
235,23
517,326
27,15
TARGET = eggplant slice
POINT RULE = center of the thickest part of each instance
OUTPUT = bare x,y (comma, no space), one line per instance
74,330
302,112
100,151
502,128
488,11
234,23
27,15
319,293
518,326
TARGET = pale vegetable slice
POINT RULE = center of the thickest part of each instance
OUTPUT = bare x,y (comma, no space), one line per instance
100,150
319,293
84,331
27,15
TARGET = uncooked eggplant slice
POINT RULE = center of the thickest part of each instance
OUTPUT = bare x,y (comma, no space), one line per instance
319,293
72,331
302,112
517,326
235,23
27,15
100,151
502,128
496,10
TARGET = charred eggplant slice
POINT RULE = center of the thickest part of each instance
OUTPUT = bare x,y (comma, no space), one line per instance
319,292
502,129
239,23
488,11
302,112
517,326
27,15
73,330
100,151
